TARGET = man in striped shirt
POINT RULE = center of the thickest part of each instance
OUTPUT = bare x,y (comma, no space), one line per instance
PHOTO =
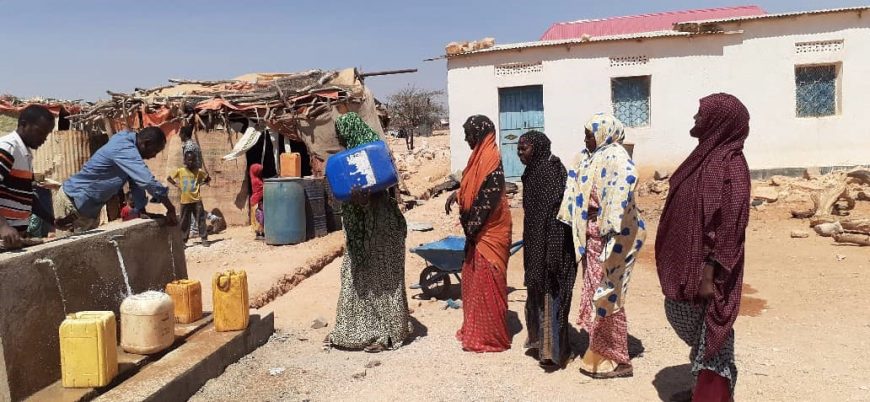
16,171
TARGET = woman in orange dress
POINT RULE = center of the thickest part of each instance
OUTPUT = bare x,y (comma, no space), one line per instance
486,220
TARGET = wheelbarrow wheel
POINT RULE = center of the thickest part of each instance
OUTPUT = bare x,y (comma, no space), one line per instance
434,282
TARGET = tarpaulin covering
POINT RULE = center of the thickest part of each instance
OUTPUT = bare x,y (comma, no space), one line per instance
8,108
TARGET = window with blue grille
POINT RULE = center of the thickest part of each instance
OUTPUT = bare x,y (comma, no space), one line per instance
630,97
816,90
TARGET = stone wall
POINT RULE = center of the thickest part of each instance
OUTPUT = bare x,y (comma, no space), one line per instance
86,267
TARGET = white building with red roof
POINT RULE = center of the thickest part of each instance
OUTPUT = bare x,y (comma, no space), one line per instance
803,76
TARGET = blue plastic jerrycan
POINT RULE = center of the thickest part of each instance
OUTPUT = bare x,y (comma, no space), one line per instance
367,166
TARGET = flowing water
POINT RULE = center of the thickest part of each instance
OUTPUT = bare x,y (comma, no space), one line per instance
172,258
56,279
123,267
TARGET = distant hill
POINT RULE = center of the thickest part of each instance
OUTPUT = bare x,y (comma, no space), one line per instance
7,124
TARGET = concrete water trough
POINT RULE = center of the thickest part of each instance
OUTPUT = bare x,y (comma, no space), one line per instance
41,284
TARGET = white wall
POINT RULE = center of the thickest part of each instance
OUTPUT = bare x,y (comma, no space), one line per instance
757,66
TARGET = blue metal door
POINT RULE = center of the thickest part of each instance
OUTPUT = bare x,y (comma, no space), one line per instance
520,109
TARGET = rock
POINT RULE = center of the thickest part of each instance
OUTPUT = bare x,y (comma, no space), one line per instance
373,364
799,234
661,175
840,257
828,229
759,207
658,187
766,194
318,323
420,226
779,181
359,375
812,173
276,371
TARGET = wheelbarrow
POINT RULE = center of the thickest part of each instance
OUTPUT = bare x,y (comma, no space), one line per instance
444,257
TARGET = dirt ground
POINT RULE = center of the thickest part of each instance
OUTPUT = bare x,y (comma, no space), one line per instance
802,333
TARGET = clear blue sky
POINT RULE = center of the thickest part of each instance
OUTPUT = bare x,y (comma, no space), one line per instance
79,49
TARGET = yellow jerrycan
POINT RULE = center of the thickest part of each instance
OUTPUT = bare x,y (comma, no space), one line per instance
88,349
230,300
186,294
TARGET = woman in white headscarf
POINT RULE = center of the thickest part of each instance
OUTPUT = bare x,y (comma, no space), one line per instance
608,233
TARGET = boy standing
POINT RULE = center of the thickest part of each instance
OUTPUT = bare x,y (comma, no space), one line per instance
189,179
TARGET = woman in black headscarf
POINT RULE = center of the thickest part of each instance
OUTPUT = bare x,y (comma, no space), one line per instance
549,251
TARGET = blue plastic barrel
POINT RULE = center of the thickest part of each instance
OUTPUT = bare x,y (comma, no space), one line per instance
284,211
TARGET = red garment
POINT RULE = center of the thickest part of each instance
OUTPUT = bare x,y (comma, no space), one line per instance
256,184
127,213
711,387
608,336
705,217
484,306
494,238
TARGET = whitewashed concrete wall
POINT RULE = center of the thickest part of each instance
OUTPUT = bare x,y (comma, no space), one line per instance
757,66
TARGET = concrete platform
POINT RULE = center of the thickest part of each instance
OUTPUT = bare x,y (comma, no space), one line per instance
183,371
128,365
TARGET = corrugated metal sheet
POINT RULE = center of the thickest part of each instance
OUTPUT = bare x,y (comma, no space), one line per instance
62,155
634,24
576,41
684,24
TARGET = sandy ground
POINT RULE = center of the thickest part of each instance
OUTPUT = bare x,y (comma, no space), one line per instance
801,335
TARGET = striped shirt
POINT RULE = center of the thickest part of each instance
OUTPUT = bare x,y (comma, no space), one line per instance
16,181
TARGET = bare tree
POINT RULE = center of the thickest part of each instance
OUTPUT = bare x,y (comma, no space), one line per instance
412,108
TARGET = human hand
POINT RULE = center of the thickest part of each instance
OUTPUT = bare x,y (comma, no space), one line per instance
706,291
11,238
171,218
450,201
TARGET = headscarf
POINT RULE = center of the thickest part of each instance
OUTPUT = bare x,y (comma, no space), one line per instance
611,172
353,131
256,173
705,216
547,242
493,241
479,126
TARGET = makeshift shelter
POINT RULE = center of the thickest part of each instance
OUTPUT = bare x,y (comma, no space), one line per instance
250,119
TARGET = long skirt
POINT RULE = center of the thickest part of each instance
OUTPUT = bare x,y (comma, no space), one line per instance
547,326
687,319
484,306
372,305
608,336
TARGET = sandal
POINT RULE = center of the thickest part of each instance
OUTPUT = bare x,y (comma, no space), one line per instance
621,371
374,348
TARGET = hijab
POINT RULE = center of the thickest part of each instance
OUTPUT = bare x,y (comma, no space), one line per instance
256,174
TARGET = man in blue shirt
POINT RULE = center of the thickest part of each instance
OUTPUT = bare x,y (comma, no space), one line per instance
120,161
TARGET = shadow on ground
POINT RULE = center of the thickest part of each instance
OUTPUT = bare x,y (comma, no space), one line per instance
672,383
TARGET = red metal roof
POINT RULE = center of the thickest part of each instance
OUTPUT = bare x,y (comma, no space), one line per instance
643,23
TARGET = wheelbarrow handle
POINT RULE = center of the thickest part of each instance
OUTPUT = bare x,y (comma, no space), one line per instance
516,247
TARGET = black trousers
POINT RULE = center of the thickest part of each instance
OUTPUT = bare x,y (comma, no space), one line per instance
190,212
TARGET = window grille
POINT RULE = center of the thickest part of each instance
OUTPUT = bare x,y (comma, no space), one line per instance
816,90
818,46
631,100
628,61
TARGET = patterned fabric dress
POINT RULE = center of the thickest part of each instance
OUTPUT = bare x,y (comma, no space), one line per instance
372,305
608,177
704,223
486,220
548,256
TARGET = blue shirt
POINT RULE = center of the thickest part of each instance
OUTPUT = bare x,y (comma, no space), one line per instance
114,164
